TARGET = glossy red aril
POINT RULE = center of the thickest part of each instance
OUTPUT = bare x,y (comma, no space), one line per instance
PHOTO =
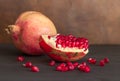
28,64
64,69
20,58
92,60
87,69
58,68
35,69
84,67
106,60
62,64
52,63
69,63
81,66
75,64
71,67
64,47
102,63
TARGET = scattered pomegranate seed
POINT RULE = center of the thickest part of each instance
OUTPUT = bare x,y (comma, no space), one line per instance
62,65
84,63
87,69
35,69
58,68
92,60
76,64
52,63
20,58
102,63
64,69
84,67
81,67
27,64
69,63
106,60
71,67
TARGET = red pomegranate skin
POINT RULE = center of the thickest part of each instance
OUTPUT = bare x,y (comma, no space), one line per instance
28,28
60,55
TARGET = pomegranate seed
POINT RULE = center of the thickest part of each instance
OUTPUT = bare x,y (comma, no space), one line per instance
69,63
70,44
92,60
102,63
81,42
76,64
35,69
52,63
70,36
74,39
77,44
84,67
84,63
71,67
64,69
81,46
62,65
106,60
73,44
66,42
58,41
81,67
28,64
59,68
63,45
87,69
20,58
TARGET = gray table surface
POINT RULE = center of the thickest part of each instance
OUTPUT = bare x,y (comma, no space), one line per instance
11,70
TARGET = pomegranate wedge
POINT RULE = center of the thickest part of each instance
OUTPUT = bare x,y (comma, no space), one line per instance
64,48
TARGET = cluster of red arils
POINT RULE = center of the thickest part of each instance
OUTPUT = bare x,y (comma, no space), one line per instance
67,66
84,66
100,63
28,64
71,41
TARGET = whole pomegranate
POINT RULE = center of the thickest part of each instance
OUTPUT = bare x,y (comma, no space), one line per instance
64,47
29,26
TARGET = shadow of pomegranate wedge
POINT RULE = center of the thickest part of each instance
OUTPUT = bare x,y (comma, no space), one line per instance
64,48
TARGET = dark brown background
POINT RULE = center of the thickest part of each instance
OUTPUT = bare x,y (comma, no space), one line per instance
98,20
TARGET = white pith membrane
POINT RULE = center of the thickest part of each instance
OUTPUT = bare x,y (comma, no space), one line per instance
52,43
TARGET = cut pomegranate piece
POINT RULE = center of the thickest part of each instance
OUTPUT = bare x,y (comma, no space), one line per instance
64,48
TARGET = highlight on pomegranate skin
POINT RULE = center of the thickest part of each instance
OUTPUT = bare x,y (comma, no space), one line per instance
64,47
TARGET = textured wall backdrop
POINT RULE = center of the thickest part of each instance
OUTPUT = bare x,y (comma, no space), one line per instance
98,20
